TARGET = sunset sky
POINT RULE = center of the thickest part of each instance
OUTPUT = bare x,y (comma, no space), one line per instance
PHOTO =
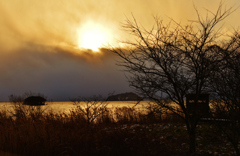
53,47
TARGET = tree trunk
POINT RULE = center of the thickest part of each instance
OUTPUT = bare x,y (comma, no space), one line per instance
192,140
236,149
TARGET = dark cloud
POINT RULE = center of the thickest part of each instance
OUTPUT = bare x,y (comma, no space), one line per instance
59,73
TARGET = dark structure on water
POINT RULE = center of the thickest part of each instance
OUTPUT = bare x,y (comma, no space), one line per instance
34,101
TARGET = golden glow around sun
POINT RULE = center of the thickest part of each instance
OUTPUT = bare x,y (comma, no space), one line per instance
93,36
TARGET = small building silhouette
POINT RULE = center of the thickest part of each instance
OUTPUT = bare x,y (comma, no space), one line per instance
198,105
34,101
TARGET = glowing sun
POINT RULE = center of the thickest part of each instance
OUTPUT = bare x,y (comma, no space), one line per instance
92,36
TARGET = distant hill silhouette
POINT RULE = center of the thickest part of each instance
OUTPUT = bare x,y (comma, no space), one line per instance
124,97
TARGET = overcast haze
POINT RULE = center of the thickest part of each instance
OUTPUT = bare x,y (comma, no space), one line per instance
41,42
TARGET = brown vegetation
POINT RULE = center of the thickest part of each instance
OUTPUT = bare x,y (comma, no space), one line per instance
117,131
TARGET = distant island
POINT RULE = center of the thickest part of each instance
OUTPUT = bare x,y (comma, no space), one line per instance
124,97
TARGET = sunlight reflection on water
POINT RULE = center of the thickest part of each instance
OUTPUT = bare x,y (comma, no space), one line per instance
67,106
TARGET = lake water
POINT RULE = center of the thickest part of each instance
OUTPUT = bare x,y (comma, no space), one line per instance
67,106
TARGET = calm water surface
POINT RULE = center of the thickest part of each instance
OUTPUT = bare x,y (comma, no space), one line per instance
67,106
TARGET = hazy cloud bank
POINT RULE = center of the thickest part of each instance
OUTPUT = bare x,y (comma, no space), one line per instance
39,42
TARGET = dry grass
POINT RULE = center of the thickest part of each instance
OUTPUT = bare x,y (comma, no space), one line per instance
118,131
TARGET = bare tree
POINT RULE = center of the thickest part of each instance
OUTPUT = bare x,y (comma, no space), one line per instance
91,107
225,83
174,59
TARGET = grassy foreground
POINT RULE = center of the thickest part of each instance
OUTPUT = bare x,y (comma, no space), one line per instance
116,131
